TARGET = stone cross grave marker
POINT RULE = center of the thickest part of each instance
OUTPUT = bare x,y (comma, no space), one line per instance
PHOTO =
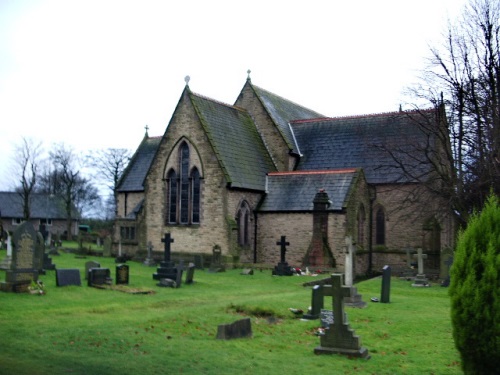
420,279
282,269
167,269
339,338
167,240
386,284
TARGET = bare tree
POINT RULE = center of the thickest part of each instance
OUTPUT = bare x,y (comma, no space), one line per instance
27,160
464,74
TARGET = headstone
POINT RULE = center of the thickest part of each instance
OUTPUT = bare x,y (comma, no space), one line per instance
216,265
339,337
23,269
107,247
39,253
190,273
420,279
122,274
90,264
198,261
99,276
444,267
283,269
68,277
448,262
238,329
247,271
167,269
167,283
121,258
408,273
386,284
349,261
316,303
7,261
149,261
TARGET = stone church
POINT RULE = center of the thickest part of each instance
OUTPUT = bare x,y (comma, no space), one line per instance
238,177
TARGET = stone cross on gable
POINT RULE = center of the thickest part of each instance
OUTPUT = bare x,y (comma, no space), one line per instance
349,261
283,245
420,259
167,240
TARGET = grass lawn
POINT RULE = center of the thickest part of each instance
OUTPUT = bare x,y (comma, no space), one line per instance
84,330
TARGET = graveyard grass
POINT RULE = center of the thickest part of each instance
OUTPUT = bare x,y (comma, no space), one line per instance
83,330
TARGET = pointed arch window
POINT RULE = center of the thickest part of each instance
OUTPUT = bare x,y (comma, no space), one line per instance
184,191
380,227
243,221
361,225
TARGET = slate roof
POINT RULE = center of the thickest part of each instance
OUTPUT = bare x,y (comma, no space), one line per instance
132,179
236,142
43,206
360,142
295,191
282,111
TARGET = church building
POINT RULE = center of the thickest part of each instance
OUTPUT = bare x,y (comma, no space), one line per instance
239,177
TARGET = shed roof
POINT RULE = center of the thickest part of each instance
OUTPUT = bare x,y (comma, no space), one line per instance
43,206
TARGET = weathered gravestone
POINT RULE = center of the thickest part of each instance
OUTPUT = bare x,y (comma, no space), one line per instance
247,271
39,253
99,276
386,285
216,265
7,261
106,251
238,329
282,268
122,274
23,269
90,264
316,303
198,261
447,262
420,280
68,277
149,261
190,273
354,299
339,337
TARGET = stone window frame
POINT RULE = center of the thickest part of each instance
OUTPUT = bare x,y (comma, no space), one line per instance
361,225
128,233
243,222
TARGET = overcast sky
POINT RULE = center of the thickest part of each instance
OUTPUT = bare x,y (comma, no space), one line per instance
93,73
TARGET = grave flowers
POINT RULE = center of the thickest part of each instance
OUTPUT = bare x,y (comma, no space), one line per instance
37,287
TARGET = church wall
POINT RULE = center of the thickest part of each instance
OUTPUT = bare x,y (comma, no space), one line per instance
127,201
213,227
271,136
298,229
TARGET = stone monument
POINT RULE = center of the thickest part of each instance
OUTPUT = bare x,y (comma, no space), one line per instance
339,338
354,299
167,269
283,269
420,280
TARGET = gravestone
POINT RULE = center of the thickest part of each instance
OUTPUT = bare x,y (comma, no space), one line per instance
354,299
47,262
408,272
39,253
149,261
122,274
316,303
216,265
167,269
190,273
106,252
7,261
339,338
283,269
90,264
120,258
420,279
23,269
99,276
386,284
68,277
448,263
247,271
238,329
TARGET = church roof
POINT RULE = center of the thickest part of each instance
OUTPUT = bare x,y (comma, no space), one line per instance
295,191
282,111
364,142
132,179
236,142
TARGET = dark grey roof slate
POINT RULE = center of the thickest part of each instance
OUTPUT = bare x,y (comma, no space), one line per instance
236,142
138,167
361,142
282,111
43,206
295,191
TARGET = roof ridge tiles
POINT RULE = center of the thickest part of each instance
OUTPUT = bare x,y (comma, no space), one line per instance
218,102
380,114
324,171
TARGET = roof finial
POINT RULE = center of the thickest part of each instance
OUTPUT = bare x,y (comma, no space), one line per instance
186,79
248,72
400,108
147,128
